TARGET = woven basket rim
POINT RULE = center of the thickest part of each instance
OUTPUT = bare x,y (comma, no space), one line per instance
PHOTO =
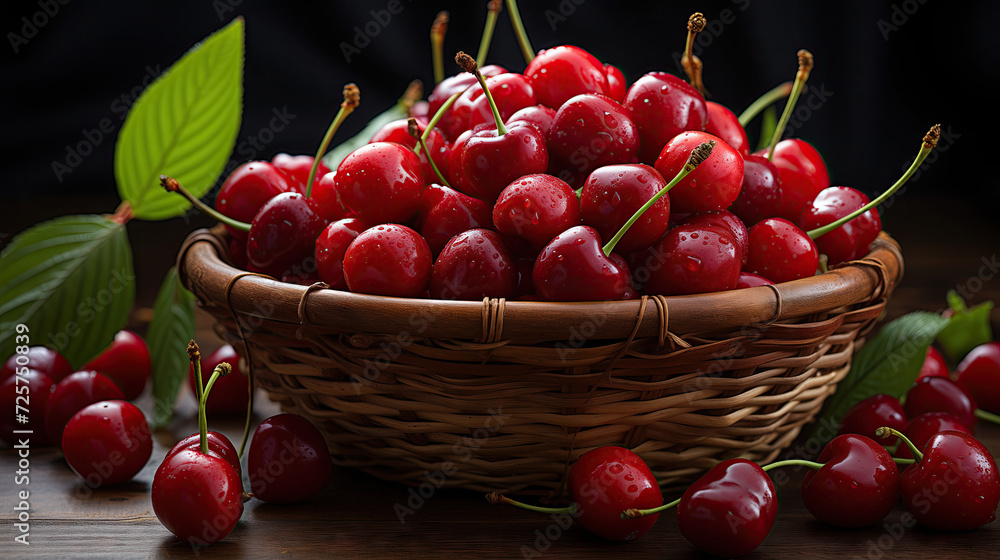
204,269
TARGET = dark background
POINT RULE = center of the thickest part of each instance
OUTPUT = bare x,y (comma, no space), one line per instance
926,62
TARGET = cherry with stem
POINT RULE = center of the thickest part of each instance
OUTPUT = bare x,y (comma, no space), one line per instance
414,130
493,12
805,67
692,64
438,30
352,97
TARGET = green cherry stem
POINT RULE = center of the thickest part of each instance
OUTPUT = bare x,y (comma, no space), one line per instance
805,66
171,185
221,370
698,155
988,416
793,463
414,129
438,30
498,498
492,13
691,63
930,140
470,66
522,36
780,92
635,513
437,118
352,97
886,432
194,354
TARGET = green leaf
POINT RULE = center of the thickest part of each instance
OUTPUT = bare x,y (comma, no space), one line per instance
888,364
967,329
333,158
184,125
169,333
768,122
70,281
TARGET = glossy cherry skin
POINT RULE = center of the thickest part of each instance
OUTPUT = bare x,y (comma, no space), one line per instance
760,194
873,413
331,245
694,259
327,201
229,393
473,265
297,168
511,92
849,241
713,185
955,487
445,213
247,189
283,234
107,443
538,115
617,85
238,253
663,106
458,83
288,460
388,260
126,361
979,373
920,430
934,365
492,162
751,280
614,193
730,510
456,171
197,497
41,359
536,208
398,131
381,182
780,251
31,390
940,394
607,481
562,72
572,267
803,175
73,393
857,486
591,130
218,444
723,123
727,221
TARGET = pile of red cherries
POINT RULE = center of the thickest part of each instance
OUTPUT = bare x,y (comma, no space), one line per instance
518,194
946,479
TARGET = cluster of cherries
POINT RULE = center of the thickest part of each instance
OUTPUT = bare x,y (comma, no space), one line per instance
550,184
945,477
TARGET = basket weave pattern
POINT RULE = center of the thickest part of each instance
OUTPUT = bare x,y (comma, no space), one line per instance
505,395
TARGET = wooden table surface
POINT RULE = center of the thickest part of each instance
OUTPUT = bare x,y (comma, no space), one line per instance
355,516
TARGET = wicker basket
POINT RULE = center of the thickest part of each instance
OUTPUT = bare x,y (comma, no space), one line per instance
505,395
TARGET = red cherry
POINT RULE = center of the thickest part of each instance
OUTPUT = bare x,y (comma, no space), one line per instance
934,365
247,189
238,253
288,460
381,182
920,430
445,213
71,395
760,194
849,241
605,482
197,497
573,267
492,161
107,443
694,259
126,361
296,169
613,193
562,72
398,131
714,185
751,280
871,414
456,172
780,251
331,245
589,131
727,221
38,358
617,85
723,123
960,465
511,93
456,84
219,445
34,386
803,175
473,265
536,208
538,115
283,234
388,260
730,510
940,394
327,203
979,373
229,393
663,106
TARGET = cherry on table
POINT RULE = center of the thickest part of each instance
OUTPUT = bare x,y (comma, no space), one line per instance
126,361
613,193
288,460
780,251
663,106
107,442
872,413
979,373
71,395
331,245
41,359
940,394
230,394
474,264
218,444
247,189
39,386
197,497
714,185
920,430
388,260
